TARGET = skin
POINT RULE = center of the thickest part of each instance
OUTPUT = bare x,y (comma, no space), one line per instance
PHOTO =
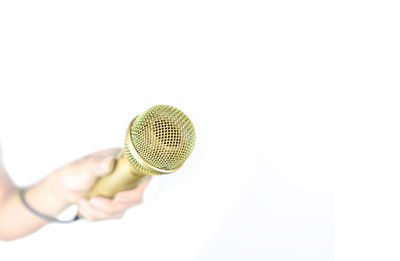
62,188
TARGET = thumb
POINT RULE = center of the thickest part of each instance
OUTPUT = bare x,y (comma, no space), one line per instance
93,166
102,165
100,161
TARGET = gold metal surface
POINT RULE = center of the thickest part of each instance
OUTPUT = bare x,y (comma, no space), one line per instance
160,140
123,177
157,142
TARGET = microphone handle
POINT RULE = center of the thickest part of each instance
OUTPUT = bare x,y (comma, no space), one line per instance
122,177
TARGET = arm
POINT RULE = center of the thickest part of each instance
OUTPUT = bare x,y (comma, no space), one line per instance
62,188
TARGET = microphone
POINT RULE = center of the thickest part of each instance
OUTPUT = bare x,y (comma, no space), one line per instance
157,142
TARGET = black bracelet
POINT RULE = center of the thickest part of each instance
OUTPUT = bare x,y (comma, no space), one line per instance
22,192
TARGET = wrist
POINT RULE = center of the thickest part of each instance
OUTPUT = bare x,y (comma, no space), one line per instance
47,197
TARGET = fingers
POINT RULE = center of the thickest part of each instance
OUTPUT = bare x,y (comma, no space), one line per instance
110,207
91,213
99,208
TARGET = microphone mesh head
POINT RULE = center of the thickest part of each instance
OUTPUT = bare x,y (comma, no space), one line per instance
163,136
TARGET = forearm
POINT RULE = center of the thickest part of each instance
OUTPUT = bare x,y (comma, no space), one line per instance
17,221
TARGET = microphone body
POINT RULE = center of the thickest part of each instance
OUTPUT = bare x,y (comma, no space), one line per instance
123,177
157,142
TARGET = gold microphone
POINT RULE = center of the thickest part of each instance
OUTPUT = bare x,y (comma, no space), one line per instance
157,142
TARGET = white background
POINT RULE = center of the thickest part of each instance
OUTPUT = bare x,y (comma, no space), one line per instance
290,100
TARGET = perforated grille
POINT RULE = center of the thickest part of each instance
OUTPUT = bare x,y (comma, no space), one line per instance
163,136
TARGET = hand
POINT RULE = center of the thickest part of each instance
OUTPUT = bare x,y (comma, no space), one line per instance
98,208
73,181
